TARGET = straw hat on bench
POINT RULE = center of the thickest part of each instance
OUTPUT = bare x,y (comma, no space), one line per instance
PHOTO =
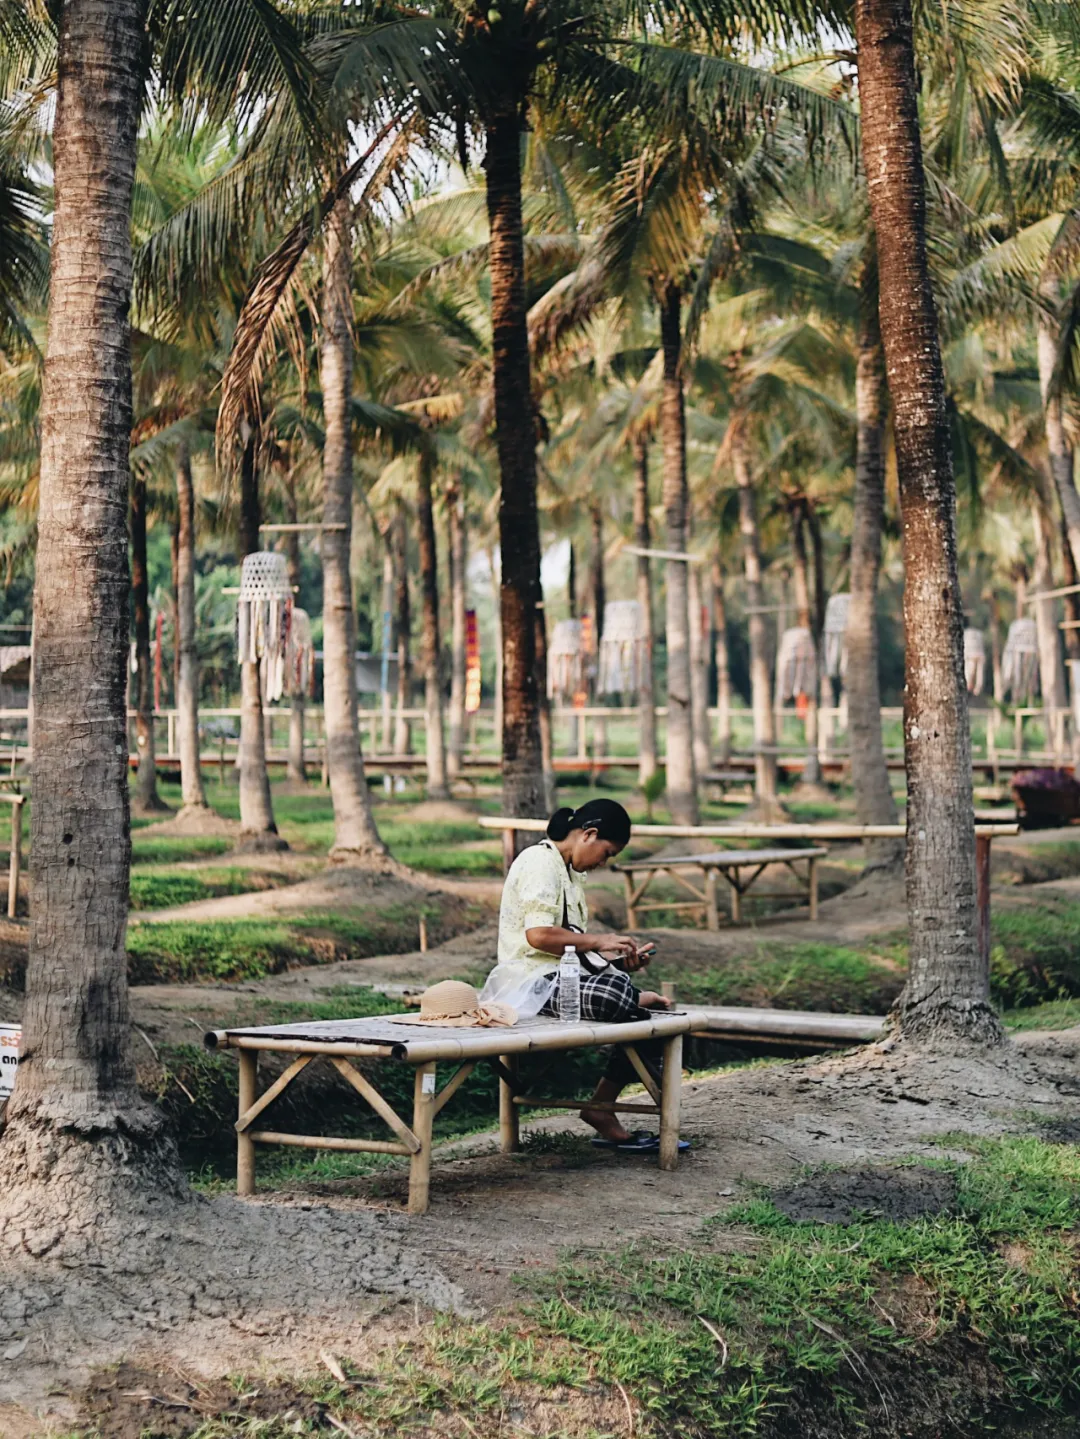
457,1005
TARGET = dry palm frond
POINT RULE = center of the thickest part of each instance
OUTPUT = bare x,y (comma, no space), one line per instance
439,408
239,386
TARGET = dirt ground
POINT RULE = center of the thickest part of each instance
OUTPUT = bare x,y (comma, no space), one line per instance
221,1286
212,1287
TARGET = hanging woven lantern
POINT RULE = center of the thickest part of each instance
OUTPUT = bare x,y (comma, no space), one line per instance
622,649
836,614
566,661
974,661
300,655
262,618
1020,660
796,664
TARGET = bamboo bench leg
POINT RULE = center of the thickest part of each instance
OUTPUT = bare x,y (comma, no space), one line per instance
509,1113
670,1095
712,915
423,1122
813,882
245,1145
631,913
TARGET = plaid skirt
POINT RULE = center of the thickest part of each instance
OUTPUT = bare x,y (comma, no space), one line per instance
610,998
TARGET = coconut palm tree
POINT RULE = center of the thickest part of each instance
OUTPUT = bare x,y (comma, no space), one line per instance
355,835
947,992
79,1136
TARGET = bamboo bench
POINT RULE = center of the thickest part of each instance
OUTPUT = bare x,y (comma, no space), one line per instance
731,864
422,1046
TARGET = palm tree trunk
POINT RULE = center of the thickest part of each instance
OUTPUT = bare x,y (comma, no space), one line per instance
1072,602
647,690
435,742
403,726
1051,661
766,801
355,835
699,672
519,529
723,667
1057,442
455,508
598,603
80,1142
681,775
295,765
947,995
546,735
147,800
571,606
804,616
874,802
187,690
174,555
258,830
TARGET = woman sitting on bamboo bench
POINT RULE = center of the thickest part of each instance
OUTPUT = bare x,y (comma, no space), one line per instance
544,912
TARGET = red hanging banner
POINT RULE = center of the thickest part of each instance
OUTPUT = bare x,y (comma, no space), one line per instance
472,663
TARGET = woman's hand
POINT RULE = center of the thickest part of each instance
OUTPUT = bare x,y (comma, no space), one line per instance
619,949
649,999
640,957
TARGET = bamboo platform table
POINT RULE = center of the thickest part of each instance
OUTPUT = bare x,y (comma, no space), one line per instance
741,868
339,1042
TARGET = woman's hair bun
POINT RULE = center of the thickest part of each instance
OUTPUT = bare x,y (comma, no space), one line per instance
561,823
605,816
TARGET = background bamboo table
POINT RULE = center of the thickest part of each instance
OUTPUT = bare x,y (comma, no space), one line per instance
727,862
422,1046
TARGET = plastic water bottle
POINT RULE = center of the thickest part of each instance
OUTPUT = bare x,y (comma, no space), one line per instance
569,987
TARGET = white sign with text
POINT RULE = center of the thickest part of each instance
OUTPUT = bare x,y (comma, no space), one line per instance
10,1035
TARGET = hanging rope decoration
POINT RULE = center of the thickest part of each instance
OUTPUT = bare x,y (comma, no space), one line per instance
263,612
1020,660
622,649
566,661
836,616
796,664
300,655
974,661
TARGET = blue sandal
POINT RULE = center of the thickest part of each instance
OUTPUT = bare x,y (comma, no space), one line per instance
640,1139
645,1142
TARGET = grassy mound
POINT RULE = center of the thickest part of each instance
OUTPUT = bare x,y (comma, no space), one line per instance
190,951
160,887
825,977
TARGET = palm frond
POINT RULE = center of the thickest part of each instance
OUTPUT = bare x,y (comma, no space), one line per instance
240,381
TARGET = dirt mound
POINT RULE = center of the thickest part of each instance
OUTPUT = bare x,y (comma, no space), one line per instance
842,1196
194,822
247,1265
444,811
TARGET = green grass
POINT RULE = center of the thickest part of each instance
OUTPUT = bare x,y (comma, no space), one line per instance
825,977
167,849
191,951
1054,1014
946,1324
160,887
802,1313
1036,955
